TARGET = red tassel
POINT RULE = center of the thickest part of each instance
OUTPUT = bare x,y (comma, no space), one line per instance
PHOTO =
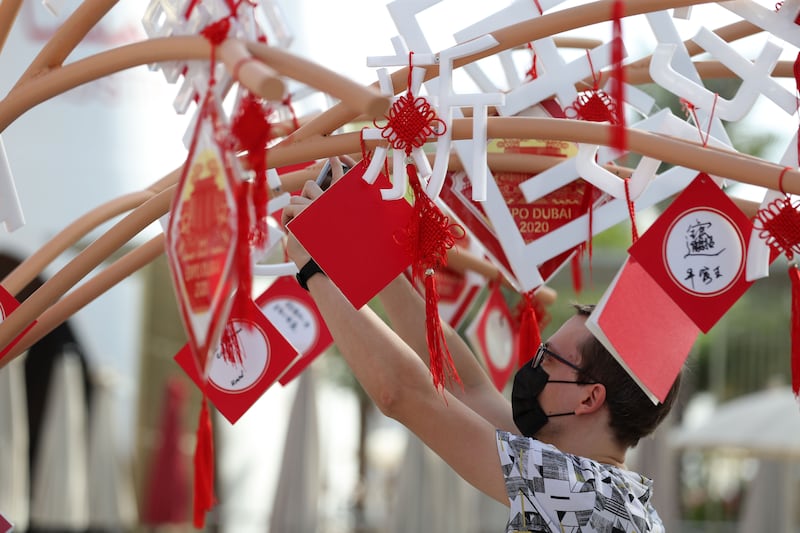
428,237
441,361
619,139
529,335
577,274
794,276
204,498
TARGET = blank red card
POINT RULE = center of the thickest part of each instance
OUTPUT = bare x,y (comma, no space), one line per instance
354,235
644,329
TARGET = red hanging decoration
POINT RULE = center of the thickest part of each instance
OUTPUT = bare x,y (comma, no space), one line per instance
252,131
529,335
594,105
204,498
619,134
794,276
779,225
575,265
430,234
631,212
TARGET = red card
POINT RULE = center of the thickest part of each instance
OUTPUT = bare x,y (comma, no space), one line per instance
233,388
492,336
644,329
294,313
7,306
354,235
5,525
697,250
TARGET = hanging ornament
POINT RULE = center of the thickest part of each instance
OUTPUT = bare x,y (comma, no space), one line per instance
208,217
411,121
529,333
778,224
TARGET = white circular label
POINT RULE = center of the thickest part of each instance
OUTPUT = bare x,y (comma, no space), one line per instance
498,338
236,377
704,252
295,320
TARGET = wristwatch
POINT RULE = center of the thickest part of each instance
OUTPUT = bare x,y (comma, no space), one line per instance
305,273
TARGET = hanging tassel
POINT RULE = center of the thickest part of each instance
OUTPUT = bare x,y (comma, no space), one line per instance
253,131
428,237
794,276
618,134
631,212
204,498
529,335
577,273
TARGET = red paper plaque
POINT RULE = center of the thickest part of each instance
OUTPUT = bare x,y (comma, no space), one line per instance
294,313
8,304
697,251
355,236
201,238
234,387
492,336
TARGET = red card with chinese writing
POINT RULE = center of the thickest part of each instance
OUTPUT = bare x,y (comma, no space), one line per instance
233,387
645,330
355,236
697,250
492,336
7,306
294,313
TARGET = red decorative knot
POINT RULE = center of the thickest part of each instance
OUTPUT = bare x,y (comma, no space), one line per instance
431,234
410,122
779,225
593,106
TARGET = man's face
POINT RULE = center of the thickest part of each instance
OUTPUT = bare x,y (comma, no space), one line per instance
562,397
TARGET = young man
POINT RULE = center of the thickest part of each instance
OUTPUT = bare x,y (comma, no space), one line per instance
555,454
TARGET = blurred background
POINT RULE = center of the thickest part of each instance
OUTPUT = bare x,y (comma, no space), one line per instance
97,422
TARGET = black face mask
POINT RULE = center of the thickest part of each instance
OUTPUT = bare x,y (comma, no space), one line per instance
529,382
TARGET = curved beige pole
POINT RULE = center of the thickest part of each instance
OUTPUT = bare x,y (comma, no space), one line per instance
508,37
80,266
32,266
68,36
9,9
88,292
36,90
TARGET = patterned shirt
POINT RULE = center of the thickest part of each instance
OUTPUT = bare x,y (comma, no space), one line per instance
554,492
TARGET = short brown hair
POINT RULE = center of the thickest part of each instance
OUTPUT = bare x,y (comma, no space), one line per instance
633,414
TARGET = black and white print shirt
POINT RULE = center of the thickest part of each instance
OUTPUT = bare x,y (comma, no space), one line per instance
552,491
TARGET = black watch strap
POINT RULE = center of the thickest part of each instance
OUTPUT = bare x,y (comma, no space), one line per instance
305,273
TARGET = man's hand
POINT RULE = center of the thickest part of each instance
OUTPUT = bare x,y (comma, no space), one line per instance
297,204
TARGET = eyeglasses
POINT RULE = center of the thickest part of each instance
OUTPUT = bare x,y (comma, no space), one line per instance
543,350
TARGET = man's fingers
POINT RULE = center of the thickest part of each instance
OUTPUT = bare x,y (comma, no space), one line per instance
311,190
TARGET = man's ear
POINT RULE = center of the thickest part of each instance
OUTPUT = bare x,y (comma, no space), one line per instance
593,399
